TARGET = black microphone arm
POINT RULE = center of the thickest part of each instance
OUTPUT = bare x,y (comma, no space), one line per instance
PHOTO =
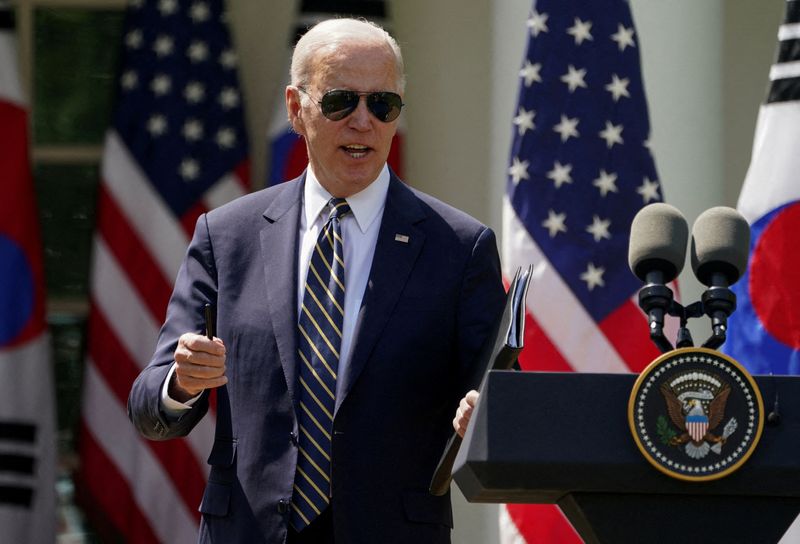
719,302
655,299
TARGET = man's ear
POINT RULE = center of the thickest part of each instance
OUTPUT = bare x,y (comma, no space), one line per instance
294,110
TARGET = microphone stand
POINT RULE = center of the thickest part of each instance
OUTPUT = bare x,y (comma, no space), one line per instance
719,303
656,300
684,313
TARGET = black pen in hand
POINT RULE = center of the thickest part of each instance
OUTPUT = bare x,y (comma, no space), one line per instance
208,311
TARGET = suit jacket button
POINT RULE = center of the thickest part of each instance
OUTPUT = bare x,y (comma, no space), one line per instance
293,437
283,506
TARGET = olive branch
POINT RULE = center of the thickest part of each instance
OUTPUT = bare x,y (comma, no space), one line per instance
664,431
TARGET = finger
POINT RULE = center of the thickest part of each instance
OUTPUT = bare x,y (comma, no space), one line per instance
190,370
200,350
198,342
472,397
465,408
463,414
462,428
182,355
188,373
459,427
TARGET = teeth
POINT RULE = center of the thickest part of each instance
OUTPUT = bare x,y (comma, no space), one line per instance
356,151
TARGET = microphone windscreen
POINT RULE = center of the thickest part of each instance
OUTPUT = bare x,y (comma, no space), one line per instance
659,233
720,243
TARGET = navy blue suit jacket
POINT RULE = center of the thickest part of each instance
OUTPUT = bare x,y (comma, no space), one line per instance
428,306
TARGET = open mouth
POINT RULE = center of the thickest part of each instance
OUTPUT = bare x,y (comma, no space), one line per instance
356,151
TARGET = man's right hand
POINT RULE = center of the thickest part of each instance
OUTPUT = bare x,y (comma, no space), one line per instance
200,365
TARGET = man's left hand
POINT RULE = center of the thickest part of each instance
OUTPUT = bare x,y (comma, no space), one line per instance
464,412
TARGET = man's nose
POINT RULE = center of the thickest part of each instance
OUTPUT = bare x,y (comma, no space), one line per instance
360,118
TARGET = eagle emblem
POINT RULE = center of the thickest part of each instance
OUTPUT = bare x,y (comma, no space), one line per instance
695,414
696,406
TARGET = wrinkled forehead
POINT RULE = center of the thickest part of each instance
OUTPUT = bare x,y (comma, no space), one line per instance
363,66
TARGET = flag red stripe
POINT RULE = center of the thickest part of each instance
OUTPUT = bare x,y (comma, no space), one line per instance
542,523
189,218
395,158
101,485
626,329
242,172
540,353
119,371
132,254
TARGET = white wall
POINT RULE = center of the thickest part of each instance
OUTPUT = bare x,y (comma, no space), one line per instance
261,35
749,40
704,65
681,50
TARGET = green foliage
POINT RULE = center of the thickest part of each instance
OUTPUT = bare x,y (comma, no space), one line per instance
66,195
76,53
665,432
68,338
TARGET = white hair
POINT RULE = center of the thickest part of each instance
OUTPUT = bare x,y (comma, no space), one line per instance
332,33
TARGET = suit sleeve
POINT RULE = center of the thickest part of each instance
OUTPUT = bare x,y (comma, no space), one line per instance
195,286
481,302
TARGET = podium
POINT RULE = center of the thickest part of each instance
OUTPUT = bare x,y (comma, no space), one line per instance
563,438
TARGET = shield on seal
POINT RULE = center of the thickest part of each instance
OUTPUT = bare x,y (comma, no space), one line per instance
696,421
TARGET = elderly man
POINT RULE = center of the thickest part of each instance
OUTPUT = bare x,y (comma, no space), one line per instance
350,309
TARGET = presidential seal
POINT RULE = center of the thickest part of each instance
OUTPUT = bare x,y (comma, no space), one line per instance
696,414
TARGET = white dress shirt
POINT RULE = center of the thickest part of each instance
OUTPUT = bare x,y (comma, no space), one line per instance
359,234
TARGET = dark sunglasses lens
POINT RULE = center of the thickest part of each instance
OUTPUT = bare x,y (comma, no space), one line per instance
385,106
337,105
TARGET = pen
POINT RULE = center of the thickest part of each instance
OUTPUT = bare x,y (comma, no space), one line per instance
209,317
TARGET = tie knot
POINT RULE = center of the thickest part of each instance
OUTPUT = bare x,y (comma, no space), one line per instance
339,208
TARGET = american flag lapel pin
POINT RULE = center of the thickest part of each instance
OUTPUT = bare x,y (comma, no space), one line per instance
401,238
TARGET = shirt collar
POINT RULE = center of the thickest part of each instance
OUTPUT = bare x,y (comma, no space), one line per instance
365,205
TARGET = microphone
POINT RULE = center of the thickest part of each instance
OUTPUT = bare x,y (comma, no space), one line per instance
656,254
774,417
720,246
719,251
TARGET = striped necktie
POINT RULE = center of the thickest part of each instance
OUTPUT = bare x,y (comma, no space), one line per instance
319,340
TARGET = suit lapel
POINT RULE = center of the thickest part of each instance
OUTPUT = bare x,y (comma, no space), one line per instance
279,247
394,259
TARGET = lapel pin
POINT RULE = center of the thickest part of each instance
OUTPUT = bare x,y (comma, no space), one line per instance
401,238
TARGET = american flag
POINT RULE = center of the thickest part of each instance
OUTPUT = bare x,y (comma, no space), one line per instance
580,168
176,148
764,331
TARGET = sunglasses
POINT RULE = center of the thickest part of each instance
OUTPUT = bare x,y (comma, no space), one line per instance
338,104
